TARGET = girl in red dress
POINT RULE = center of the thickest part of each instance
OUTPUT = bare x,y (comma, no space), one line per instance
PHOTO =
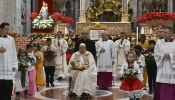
131,72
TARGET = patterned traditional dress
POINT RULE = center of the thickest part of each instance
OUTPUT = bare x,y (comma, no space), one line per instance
40,78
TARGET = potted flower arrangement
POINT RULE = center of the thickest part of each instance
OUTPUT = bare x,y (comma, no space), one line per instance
130,73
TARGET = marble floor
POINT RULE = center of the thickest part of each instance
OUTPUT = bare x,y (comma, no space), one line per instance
60,92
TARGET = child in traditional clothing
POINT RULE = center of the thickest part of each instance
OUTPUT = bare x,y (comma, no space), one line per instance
40,78
131,72
21,76
31,70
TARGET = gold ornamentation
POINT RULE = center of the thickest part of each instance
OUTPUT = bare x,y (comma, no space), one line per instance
105,10
98,26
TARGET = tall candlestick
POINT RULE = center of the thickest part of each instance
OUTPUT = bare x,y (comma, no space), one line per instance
137,34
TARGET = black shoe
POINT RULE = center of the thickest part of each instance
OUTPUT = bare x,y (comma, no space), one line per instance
72,95
59,78
85,96
144,88
130,98
150,92
47,85
137,99
52,84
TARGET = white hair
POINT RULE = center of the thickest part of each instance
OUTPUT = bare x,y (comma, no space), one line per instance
82,44
105,32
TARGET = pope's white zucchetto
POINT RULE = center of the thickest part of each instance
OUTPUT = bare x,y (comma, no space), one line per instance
82,44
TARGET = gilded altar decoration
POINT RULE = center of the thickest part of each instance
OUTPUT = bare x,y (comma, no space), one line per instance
156,16
108,11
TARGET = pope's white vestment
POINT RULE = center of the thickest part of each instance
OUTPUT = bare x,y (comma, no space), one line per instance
83,80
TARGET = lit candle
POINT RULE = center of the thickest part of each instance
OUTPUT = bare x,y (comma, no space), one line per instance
137,34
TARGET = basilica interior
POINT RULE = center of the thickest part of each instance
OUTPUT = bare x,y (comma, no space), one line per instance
36,20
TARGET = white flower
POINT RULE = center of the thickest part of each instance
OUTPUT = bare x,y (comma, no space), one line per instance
37,23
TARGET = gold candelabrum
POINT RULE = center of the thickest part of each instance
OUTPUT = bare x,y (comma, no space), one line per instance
125,15
82,17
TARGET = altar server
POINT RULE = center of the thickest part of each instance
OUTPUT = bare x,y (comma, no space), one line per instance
164,54
8,62
105,59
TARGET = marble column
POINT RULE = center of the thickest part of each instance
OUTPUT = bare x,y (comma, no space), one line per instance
170,6
76,12
10,11
133,4
28,20
140,8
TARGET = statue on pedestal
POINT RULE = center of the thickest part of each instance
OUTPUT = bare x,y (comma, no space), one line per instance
91,13
44,11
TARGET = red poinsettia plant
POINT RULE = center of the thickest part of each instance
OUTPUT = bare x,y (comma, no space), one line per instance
33,15
68,20
156,16
57,16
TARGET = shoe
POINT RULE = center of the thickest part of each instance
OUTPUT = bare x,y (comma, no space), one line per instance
137,99
150,92
71,94
47,85
26,96
144,88
52,84
59,78
85,96
130,98
17,97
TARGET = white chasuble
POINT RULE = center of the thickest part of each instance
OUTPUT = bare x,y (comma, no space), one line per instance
83,80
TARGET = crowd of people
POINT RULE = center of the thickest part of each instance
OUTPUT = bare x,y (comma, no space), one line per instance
91,64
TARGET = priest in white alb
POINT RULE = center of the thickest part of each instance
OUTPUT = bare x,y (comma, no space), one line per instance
61,44
164,54
106,54
122,48
84,73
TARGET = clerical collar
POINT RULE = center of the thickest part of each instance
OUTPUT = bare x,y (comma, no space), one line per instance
170,40
4,36
104,39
